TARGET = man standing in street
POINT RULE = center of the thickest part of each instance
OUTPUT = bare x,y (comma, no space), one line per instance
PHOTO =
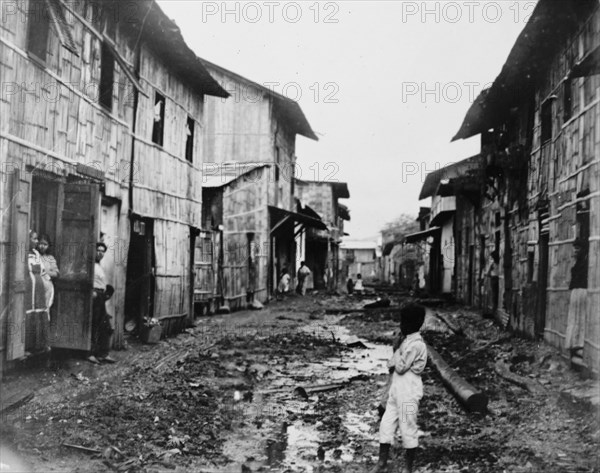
101,328
303,273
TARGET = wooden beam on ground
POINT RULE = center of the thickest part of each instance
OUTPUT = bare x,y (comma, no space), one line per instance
473,399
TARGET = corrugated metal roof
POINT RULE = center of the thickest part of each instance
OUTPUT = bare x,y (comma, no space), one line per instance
422,235
226,173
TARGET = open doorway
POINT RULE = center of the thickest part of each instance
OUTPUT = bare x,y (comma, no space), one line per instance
141,262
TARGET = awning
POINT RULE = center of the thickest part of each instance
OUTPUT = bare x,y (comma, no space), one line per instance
414,237
442,216
280,216
387,249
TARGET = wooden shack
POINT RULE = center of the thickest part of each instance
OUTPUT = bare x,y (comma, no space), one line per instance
321,247
75,142
249,146
166,192
539,130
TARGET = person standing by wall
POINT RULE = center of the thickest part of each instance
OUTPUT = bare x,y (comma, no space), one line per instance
37,321
51,268
101,327
303,273
578,303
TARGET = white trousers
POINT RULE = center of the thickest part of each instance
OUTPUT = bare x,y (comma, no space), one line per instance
401,410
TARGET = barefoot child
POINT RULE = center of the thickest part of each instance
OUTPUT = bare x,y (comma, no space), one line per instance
406,389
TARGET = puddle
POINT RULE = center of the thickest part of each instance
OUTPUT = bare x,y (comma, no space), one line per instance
296,446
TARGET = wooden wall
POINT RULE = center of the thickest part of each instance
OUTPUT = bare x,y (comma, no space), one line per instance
568,165
245,210
54,122
167,187
237,128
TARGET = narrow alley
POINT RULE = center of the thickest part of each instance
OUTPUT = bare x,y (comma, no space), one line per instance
294,388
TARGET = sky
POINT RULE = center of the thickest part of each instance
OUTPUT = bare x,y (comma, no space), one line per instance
385,85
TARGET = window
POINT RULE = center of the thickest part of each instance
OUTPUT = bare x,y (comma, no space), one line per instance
39,27
546,120
107,77
530,266
278,162
159,119
567,99
189,142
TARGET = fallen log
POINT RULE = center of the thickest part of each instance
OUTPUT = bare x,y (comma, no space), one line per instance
502,370
469,396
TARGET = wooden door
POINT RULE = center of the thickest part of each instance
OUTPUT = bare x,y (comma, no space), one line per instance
540,320
20,195
204,274
76,251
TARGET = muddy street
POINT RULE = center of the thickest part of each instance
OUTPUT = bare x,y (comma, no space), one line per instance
294,387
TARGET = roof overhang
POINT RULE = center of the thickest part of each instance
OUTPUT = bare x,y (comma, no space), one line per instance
287,109
442,217
433,179
164,38
549,27
226,173
280,216
423,235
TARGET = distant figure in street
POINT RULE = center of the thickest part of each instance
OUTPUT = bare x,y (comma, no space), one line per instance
406,390
284,284
350,286
492,273
51,267
303,273
101,328
358,285
578,301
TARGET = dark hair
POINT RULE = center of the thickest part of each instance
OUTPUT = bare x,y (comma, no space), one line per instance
302,263
495,256
359,276
45,237
101,244
412,317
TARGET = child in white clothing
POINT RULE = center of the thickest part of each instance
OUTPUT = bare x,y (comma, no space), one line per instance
408,362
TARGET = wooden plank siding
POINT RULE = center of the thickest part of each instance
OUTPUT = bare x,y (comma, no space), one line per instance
52,122
561,173
167,187
248,128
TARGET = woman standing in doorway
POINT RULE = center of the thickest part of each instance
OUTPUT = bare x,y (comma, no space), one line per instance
51,269
36,311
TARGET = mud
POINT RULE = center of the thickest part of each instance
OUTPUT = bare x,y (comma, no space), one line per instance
226,401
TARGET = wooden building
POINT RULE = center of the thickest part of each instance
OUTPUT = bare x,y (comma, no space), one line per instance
540,148
321,247
359,257
81,153
249,150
